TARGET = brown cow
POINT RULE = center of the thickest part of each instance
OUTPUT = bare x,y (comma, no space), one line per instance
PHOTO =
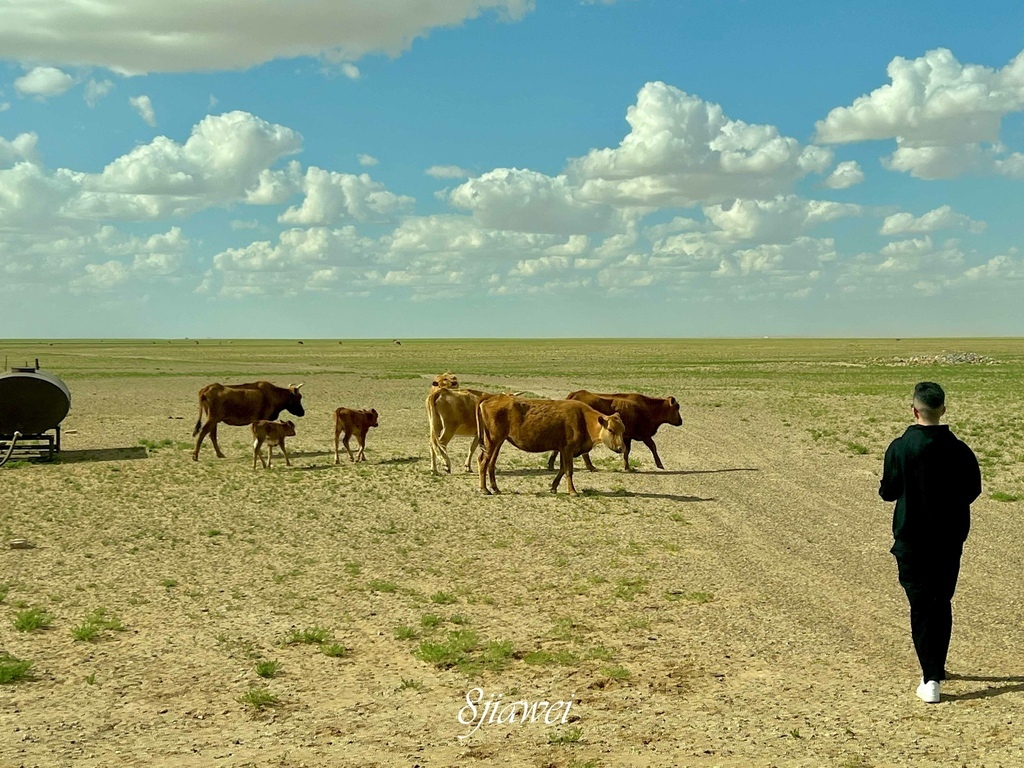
240,404
451,412
356,423
642,415
569,427
272,433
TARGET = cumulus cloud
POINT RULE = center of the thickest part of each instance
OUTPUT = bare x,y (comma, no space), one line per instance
777,220
932,100
682,150
96,90
845,175
332,197
144,107
367,160
43,82
198,35
527,201
940,218
21,147
447,172
350,70
947,162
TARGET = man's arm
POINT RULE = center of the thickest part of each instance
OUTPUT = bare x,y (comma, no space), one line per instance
891,487
972,475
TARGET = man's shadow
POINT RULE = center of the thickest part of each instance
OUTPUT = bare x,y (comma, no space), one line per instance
1010,684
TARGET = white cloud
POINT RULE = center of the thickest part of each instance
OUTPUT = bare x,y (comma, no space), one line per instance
367,160
447,172
778,220
22,147
932,100
527,201
96,90
42,82
846,175
198,35
144,107
940,218
947,162
349,70
331,197
682,150
4,106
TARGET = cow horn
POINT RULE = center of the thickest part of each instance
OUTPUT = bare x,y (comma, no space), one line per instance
298,386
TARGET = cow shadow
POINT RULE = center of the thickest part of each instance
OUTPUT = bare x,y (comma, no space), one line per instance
520,472
313,454
622,494
402,460
692,471
103,454
1009,684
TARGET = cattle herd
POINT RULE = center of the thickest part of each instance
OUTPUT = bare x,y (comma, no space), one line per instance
567,428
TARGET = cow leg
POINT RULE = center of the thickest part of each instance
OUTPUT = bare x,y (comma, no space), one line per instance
442,443
284,450
588,462
337,457
625,455
256,451
213,439
345,440
469,456
567,457
492,464
481,468
649,442
362,447
551,460
270,455
560,473
199,441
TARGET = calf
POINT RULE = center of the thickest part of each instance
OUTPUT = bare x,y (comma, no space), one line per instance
272,433
568,427
351,423
641,415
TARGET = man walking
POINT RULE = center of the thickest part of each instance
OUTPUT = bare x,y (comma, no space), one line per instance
933,477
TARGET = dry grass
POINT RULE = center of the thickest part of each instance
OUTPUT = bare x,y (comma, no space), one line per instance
704,613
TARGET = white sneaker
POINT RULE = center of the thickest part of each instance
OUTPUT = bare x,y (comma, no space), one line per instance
928,692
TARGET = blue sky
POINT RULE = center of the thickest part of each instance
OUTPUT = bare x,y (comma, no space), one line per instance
351,168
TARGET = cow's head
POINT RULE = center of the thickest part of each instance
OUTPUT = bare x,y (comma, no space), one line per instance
613,432
289,428
293,402
446,380
372,422
672,412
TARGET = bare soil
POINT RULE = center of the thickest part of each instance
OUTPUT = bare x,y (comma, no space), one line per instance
739,608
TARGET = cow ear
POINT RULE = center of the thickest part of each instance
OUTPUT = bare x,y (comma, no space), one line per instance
673,402
602,421
373,411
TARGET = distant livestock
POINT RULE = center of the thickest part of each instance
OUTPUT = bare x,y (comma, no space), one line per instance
568,427
641,415
272,433
241,404
348,422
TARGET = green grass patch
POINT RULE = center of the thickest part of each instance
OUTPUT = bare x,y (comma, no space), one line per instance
569,736
310,635
380,585
32,619
443,598
95,624
1003,496
334,650
268,669
258,699
13,669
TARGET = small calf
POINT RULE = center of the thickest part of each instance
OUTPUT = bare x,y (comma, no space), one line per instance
352,422
272,433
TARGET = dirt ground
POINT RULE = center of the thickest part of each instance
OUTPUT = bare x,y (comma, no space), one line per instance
739,608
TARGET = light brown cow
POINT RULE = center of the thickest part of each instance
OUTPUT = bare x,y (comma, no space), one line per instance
536,426
451,412
272,433
641,414
352,422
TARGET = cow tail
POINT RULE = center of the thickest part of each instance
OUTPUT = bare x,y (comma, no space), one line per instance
435,443
199,421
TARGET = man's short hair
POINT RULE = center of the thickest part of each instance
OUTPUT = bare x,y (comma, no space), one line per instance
930,395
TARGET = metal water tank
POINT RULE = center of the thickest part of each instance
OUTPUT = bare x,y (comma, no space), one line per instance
32,401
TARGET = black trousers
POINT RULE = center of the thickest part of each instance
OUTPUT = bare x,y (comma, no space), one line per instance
929,579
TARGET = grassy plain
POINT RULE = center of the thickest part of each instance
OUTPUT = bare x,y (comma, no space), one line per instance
739,608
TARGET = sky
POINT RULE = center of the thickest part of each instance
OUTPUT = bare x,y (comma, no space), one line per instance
510,168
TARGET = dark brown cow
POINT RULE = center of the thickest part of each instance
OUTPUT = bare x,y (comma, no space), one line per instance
641,414
356,423
238,405
272,433
569,427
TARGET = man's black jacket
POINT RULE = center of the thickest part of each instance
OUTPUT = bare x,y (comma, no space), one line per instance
933,477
